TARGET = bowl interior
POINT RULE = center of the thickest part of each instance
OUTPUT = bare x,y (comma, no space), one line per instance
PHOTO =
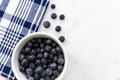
19,46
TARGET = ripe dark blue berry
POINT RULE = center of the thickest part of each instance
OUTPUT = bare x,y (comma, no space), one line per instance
55,58
32,65
49,42
21,57
42,50
46,24
53,51
33,51
58,49
39,40
32,58
39,56
60,68
24,62
56,73
38,62
53,6
27,49
48,78
53,65
30,78
46,55
48,71
36,45
42,78
60,61
22,69
42,45
38,70
29,44
53,77
43,74
62,17
33,40
43,60
29,71
36,76
38,50
45,66
53,15
54,45
62,38
58,28
48,48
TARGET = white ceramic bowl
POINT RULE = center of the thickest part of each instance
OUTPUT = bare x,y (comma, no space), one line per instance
22,42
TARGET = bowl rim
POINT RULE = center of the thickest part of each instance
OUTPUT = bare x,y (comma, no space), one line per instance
33,35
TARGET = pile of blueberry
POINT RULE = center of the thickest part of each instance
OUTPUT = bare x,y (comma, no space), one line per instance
41,59
57,28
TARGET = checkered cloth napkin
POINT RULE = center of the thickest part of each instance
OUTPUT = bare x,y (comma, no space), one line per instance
17,19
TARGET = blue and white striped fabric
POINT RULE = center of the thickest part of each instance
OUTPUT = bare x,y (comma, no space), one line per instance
17,19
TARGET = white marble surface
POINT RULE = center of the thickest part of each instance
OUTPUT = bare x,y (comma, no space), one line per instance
92,31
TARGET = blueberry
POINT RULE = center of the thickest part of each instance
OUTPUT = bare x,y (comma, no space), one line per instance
42,45
21,68
53,77
32,57
36,45
36,76
53,65
58,49
60,61
51,56
29,44
42,78
55,58
56,73
48,48
62,17
33,40
43,60
37,62
60,68
30,78
38,50
61,56
33,51
62,38
39,40
58,28
48,78
49,42
46,55
42,50
23,50
53,6
38,70
53,15
29,71
43,74
24,62
48,71
27,49
32,65
46,24
45,66
53,51
54,45
39,56
21,57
